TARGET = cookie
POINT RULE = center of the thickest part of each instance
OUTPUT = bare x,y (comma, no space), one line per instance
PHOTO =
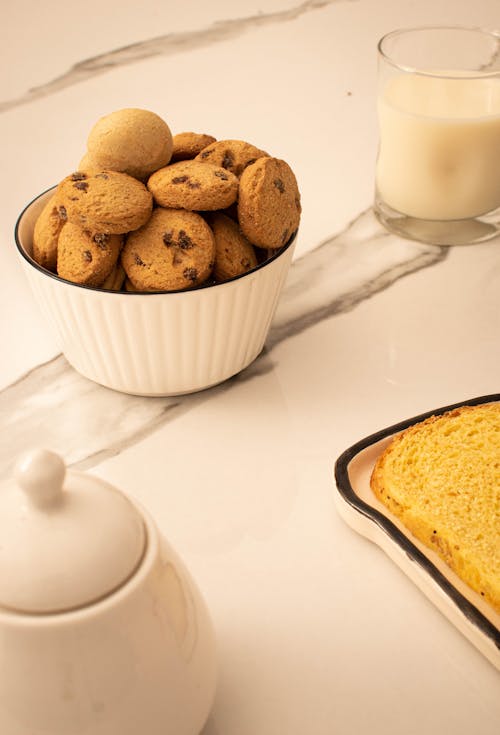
231,211
46,233
234,255
116,278
128,286
188,145
193,185
107,201
84,257
266,254
174,250
233,155
133,141
268,203
88,166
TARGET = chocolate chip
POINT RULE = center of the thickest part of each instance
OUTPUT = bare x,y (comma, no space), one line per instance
191,274
178,257
78,176
82,185
179,179
102,176
168,238
221,175
138,260
184,241
279,185
101,239
62,213
205,154
228,159
87,255
194,184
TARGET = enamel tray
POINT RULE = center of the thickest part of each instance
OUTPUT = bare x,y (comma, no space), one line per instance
359,507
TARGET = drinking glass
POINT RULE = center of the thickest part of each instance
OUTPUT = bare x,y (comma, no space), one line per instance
438,165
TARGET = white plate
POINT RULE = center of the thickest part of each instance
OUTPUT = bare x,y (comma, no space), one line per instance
359,507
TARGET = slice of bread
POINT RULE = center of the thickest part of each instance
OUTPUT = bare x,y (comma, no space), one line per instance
441,477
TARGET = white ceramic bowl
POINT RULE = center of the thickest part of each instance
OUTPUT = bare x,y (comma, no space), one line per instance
163,343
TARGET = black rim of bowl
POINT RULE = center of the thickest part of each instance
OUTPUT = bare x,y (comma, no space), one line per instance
200,287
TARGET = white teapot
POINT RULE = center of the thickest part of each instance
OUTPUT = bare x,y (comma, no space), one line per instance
102,629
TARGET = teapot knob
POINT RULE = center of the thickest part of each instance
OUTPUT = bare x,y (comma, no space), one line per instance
40,475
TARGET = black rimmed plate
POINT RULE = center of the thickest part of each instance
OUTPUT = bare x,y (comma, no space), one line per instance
359,507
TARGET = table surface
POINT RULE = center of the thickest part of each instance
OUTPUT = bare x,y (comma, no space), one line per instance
318,630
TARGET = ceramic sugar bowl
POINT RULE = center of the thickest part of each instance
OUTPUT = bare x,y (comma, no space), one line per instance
102,629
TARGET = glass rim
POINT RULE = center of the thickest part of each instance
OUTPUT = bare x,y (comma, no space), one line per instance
474,74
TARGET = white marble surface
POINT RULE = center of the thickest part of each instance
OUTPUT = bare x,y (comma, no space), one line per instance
318,631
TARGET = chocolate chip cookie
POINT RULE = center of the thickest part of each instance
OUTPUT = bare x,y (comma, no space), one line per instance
46,233
193,185
107,201
84,257
268,203
232,155
188,145
234,255
128,286
174,250
116,278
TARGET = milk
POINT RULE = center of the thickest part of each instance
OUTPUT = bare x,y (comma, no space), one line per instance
439,156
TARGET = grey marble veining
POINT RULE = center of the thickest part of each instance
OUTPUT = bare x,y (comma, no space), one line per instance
54,406
343,271
164,45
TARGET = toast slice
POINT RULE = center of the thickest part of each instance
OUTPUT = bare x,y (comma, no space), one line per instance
441,478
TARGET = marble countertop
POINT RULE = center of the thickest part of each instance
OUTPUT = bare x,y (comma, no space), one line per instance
318,630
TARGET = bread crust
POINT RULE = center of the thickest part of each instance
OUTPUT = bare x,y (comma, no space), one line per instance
441,478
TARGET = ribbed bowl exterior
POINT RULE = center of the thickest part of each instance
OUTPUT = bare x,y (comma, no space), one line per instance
157,344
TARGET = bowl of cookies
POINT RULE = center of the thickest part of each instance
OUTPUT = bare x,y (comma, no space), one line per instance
160,260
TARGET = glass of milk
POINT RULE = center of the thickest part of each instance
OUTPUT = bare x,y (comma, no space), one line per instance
438,165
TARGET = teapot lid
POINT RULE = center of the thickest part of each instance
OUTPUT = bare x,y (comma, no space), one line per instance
66,539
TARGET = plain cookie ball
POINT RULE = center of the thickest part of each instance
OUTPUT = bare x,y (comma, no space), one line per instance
133,141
